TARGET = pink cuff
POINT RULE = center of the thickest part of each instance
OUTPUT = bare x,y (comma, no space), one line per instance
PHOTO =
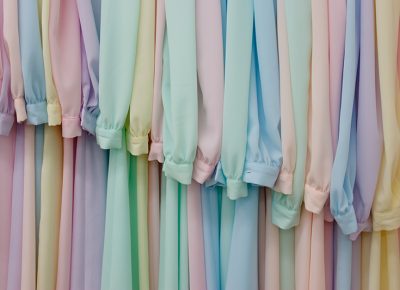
20,110
156,152
314,199
201,170
284,183
71,127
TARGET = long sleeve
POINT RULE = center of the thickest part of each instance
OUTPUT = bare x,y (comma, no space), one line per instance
210,71
32,62
117,64
156,150
180,95
343,171
236,95
66,63
89,16
284,182
320,154
53,102
6,104
386,214
142,94
264,153
369,122
11,40
286,208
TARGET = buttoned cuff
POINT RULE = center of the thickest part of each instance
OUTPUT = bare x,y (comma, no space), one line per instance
260,174
71,127
284,216
37,113
54,114
236,188
156,152
88,120
137,145
202,170
181,172
314,199
284,182
19,105
109,138
346,220
6,123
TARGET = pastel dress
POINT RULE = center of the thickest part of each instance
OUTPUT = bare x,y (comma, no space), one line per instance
7,111
309,234
344,165
32,62
116,71
369,123
286,208
50,208
16,221
7,151
137,133
12,46
337,32
91,163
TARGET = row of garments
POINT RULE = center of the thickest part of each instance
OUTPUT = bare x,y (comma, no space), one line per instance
200,144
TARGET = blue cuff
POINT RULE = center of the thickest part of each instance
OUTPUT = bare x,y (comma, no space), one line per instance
219,177
346,219
6,123
260,174
236,188
284,215
109,138
37,113
181,172
88,120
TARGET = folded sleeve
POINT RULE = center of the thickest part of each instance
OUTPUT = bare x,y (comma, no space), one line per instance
156,145
117,64
286,208
343,170
284,182
32,62
53,102
320,154
142,94
369,122
239,35
89,16
386,206
210,71
12,44
180,95
263,166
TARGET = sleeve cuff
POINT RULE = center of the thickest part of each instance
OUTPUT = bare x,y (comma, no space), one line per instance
37,113
284,183
362,226
236,188
54,114
260,174
181,172
109,138
137,145
156,152
202,170
20,110
314,199
284,216
88,120
71,127
6,123
346,220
